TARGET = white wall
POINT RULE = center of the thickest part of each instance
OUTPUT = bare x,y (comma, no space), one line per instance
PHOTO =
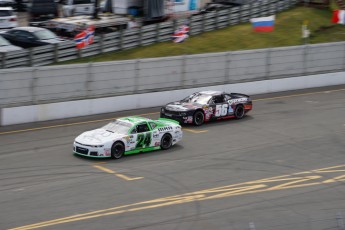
43,112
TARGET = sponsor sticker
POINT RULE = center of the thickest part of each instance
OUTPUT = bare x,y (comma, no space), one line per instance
167,128
107,152
247,106
237,100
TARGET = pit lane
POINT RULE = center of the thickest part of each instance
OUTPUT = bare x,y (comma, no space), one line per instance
286,136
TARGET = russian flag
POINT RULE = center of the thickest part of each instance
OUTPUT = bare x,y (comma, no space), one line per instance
263,24
338,16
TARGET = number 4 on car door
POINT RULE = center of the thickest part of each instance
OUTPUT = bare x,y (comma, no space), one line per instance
144,136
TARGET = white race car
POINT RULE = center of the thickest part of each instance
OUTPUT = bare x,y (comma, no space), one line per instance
127,136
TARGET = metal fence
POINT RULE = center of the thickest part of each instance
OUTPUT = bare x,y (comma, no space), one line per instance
143,36
37,85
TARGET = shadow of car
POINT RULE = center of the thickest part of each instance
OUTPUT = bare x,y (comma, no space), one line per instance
27,37
6,46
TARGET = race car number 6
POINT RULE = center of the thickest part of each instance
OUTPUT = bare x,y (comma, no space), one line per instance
221,110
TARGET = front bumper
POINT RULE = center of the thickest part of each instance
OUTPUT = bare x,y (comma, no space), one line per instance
89,151
186,119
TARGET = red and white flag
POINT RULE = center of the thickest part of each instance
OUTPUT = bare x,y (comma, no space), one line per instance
338,16
85,37
181,34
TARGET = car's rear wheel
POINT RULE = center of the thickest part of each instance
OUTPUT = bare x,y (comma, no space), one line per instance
198,118
166,141
117,150
239,112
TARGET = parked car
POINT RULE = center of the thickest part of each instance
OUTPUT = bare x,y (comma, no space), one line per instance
8,19
21,5
5,46
41,11
128,135
10,3
206,106
214,7
31,36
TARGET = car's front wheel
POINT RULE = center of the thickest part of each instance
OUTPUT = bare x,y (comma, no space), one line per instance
117,150
239,112
198,118
166,141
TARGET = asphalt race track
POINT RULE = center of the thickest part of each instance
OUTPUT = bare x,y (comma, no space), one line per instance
281,167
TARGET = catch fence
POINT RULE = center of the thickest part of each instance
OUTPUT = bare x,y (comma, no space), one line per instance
146,35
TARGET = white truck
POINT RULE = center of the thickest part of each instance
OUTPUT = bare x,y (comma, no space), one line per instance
149,9
78,7
115,18
69,27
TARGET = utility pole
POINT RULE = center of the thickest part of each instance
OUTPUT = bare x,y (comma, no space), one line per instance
96,8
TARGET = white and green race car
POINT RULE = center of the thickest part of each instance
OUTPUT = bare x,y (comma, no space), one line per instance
128,135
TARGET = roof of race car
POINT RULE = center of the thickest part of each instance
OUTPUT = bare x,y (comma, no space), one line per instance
210,92
133,120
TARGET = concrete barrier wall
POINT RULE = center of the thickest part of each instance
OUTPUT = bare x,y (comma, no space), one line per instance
43,112
28,86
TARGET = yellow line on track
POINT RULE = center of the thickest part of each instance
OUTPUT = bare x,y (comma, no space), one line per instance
116,174
107,119
323,176
195,131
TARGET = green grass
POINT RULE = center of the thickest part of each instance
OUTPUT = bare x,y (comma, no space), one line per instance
240,37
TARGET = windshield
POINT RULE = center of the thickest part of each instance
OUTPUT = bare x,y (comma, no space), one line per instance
118,127
4,13
44,34
4,42
198,98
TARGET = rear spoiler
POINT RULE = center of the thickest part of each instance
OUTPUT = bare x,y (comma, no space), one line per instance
168,120
240,94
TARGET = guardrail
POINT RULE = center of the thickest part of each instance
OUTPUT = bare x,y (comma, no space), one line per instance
143,36
38,85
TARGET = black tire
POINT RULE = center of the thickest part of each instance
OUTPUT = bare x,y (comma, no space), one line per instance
198,118
239,112
166,141
117,150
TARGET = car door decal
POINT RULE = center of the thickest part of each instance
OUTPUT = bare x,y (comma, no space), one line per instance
143,140
221,110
